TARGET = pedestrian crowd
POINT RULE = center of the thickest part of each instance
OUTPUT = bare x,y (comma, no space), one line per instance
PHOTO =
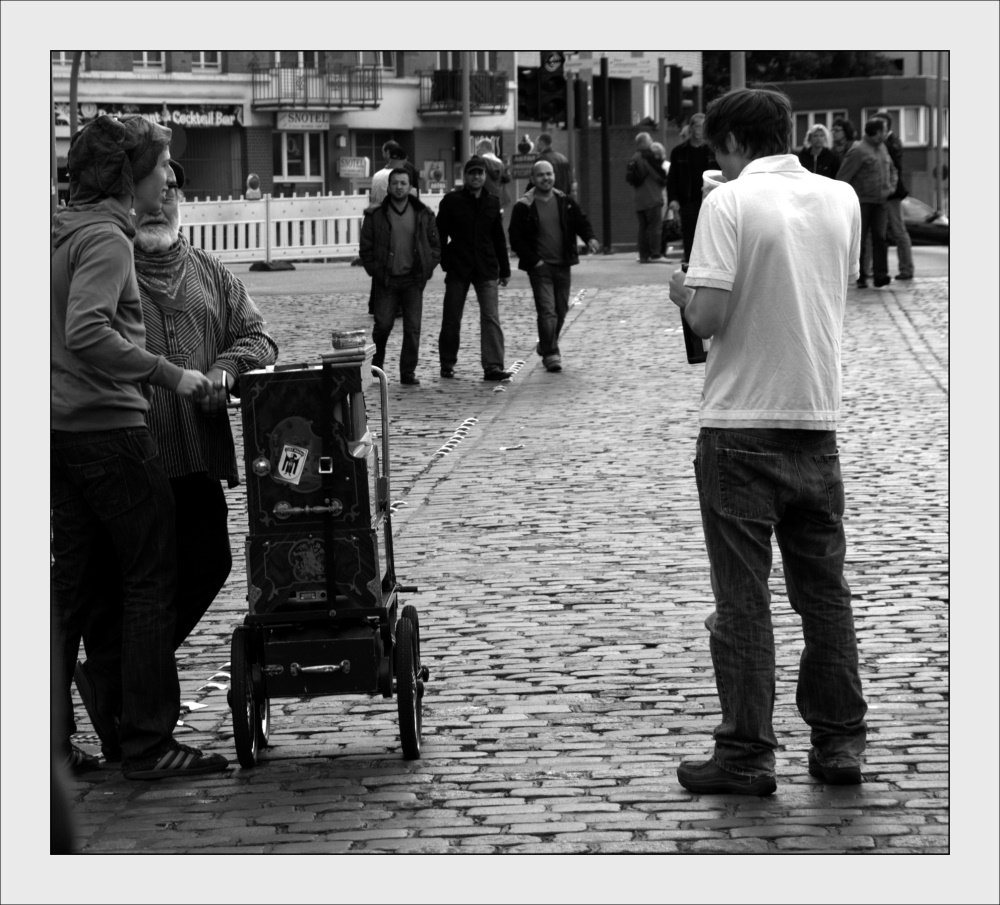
149,337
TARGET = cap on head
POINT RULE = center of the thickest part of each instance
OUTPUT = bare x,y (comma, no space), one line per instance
178,172
475,163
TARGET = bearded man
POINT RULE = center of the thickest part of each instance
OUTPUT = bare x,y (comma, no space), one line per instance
198,314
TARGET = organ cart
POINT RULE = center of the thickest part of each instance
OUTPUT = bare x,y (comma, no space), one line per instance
325,608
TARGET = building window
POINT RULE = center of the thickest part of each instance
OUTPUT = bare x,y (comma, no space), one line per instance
298,156
384,59
913,126
481,60
206,61
296,59
806,119
651,102
147,59
63,58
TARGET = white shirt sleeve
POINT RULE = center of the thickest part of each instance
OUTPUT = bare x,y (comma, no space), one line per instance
714,256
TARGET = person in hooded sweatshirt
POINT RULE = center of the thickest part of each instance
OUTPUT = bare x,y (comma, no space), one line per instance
106,481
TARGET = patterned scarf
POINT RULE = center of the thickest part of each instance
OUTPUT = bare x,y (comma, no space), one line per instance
162,274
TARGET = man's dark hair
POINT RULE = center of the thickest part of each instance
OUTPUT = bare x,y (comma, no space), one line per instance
759,118
874,126
395,171
397,153
388,146
545,138
847,126
884,114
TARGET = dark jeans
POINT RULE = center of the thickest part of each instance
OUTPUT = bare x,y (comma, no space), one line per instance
550,286
752,483
650,225
491,345
689,223
204,561
408,294
874,219
110,484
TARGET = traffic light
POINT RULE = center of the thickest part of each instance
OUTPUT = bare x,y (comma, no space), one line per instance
581,104
552,87
677,106
527,93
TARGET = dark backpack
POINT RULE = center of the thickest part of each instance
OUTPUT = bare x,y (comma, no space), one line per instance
633,173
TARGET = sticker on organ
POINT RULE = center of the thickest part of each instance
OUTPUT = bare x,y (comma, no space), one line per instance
296,448
292,464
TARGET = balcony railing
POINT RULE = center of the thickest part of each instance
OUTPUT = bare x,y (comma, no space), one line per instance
276,88
441,91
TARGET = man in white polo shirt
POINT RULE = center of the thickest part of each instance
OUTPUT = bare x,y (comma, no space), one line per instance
774,252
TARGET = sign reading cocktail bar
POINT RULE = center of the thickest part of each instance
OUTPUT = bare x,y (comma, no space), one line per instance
188,115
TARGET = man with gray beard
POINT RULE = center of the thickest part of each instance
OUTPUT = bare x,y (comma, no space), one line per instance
197,314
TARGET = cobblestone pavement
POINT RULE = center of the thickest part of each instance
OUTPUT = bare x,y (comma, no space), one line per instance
563,584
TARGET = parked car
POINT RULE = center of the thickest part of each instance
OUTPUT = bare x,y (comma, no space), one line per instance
925,225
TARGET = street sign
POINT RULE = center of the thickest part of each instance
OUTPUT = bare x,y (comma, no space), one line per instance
520,165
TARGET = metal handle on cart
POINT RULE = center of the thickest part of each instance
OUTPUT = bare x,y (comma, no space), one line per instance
284,509
344,666
384,395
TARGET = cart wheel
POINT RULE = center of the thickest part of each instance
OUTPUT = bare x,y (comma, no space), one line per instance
263,706
410,612
407,695
246,722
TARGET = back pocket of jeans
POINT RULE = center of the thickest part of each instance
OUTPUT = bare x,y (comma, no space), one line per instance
106,488
748,482
829,469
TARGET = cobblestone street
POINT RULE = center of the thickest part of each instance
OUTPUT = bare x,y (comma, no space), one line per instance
563,584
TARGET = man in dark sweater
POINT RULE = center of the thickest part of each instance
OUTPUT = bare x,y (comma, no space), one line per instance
544,224
473,253
688,162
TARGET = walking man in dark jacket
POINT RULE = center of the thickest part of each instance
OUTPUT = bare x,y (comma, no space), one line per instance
474,253
544,224
688,162
399,249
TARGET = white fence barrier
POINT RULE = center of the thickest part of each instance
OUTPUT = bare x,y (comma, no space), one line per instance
275,229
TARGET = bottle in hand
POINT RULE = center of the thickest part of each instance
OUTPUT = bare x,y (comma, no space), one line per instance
697,348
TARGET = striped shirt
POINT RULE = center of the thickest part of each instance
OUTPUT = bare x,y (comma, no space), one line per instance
199,317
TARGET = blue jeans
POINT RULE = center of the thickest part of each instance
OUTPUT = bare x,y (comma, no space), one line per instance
650,225
491,347
874,220
110,486
750,483
550,286
405,293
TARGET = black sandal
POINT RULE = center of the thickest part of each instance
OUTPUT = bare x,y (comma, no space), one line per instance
79,761
177,760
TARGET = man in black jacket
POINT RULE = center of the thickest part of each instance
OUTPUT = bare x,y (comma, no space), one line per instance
474,253
400,249
688,161
544,224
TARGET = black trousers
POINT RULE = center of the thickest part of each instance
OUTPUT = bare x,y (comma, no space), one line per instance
689,221
204,561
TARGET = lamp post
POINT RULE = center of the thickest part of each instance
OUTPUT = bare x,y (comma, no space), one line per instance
737,69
